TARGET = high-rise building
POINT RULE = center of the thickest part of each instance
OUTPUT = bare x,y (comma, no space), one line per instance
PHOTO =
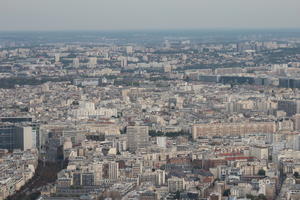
124,62
8,137
137,137
137,169
160,177
26,138
113,170
98,172
17,137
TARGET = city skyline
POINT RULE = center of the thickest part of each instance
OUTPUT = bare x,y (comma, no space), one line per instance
149,100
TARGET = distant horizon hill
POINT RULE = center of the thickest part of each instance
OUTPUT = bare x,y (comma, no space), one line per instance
205,30
150,36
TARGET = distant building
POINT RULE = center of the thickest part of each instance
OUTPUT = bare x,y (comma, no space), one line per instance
15,119
137,137
129,49
76,62
289,83
17,137
124,62
297,122
236,129
86,82
161,142
87,109
289,106
260,152
113,170
176,184
92,62
88,179
57,57
148,195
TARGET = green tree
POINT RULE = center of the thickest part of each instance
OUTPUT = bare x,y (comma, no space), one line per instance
226,193
261,197
177,195
270,158
261,172
250,196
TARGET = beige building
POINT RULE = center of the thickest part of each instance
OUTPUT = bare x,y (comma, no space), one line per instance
260,152
237,129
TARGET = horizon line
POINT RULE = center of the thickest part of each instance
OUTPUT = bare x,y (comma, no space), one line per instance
156,30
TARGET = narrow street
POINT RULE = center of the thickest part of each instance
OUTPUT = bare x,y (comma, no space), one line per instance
45,174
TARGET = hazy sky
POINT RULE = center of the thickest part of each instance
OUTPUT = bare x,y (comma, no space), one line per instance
147,14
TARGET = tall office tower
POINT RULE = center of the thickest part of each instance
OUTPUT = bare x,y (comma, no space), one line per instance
76,62
23,122
17,137
113,170
137,137
57,57
7,137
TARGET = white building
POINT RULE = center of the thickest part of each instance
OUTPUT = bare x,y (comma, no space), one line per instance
87,109
161,142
